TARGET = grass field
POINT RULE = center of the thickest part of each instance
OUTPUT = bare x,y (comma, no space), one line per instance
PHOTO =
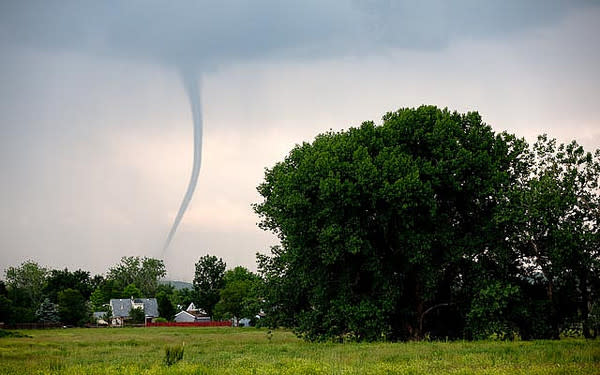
250,351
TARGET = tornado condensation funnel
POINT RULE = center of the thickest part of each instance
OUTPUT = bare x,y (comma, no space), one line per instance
192,85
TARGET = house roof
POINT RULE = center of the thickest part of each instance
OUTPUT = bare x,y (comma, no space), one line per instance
150,307
193,313
122,306
184,312
195,310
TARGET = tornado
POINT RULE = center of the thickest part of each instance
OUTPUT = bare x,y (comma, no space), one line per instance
191,82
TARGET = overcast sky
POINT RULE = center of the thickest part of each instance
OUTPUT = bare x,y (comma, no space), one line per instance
96,132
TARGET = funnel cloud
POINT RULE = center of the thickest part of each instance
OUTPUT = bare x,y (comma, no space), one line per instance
190,79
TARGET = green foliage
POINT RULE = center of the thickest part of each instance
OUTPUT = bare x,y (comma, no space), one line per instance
552,219
137,315
208,281
3,290
6,308
376,222
107,317
22,315
594,318
47,312
99,299
173,354
131,291
183,297
165,306
239,298
386,226
160,320
26,284
143,272
72,307
16,334
58,280
493,310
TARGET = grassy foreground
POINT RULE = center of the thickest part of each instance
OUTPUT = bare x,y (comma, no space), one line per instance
226,350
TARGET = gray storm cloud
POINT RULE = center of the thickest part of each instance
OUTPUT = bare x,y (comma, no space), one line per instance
213,33
194,37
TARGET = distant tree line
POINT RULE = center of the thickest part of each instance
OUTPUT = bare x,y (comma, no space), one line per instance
32,293
432,225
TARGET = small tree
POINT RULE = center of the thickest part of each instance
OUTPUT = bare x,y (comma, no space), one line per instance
165,306
6,309
208,281
47,312
107,317
98,299
237,295
137,315
72,307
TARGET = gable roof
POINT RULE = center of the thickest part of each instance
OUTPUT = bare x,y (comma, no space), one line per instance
185,313
150,306
121,307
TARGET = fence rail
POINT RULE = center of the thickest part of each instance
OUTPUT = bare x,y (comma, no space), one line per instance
190,324
33,325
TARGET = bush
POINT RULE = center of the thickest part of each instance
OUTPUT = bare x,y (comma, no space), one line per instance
492,311
137,316
4,333
160,320
173,354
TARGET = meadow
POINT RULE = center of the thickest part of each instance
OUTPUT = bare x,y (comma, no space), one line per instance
226,350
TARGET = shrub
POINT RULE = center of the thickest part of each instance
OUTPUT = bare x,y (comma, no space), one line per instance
4,333
173,354
137,315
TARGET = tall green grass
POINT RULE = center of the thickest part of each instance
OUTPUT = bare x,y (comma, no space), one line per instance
227,350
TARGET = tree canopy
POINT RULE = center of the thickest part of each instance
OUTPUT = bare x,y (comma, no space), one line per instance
144,273
208,281
413,226
239,295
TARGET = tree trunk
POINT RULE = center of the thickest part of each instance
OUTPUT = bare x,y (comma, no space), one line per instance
553,311
584,307
422,316
418,333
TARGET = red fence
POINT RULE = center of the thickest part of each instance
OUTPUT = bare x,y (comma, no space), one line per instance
190,324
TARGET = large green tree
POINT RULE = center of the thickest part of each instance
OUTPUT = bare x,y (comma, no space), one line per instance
208,281
379,225
238,297
26,284
554,235
142,272
72,307
166,309
59,280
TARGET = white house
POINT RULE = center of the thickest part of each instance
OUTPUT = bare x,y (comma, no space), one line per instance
122,307
191,315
